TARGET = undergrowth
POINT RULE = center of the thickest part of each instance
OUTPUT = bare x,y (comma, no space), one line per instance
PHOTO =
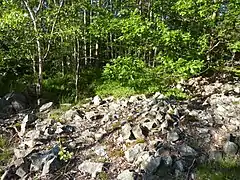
225,169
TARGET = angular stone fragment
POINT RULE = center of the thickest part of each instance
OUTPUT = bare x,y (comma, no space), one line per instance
133,152
230,148
126,131
172,136
91,167
126,175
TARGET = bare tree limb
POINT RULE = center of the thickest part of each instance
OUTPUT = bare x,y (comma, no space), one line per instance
52,30
39,6
216,45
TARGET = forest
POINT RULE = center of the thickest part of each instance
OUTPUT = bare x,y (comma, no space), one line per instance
79,48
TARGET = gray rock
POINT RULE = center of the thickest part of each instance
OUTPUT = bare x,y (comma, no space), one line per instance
28,119
105,118
71,115
126,131
172,136
91,168
97,100
202,130
158,96
126,175
23,169
32,134
45,161
46,107
100,151
90,115
138,132
179,165
237,90
133,152
167,160
50,165
133,99
216,155
230,148
142,159
149,125
186,150
21,151
163,127
153,164
18,101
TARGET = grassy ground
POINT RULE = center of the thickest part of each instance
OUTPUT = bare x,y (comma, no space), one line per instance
5,152
225,169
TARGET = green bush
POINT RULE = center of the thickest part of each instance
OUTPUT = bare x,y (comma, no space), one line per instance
61,86
126,76
128,71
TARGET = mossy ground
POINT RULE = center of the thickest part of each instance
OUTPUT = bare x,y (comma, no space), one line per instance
5,152
225,169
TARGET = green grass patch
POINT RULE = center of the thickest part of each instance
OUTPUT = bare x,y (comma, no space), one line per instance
225,169
103,176
114,89
116,153
176,94
5,152
140,141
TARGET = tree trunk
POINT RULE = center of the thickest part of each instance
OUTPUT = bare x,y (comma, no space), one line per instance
76,57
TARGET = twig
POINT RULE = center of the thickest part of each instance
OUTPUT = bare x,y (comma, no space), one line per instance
214,47
189,169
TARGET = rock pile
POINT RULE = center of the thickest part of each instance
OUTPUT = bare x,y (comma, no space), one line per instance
139,137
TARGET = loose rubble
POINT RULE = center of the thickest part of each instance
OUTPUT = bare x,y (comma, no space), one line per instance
133,138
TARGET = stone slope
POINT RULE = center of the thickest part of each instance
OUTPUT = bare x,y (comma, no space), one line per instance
139,137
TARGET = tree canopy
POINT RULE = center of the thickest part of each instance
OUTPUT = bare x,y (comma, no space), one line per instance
76,47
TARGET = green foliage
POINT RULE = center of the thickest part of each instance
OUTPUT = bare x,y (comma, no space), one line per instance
64,154
116,153
61,86
146,49
5,151
133,76
111,88
140,141
103,176
225,169
176,94
128,71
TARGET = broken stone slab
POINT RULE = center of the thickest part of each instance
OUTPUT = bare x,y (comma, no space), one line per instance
230,148
91,167
126,131
215,155
172,136
100,151
72,115
150,124
186,150
21,151
23,169
45,161
178,165
132,153
133,99
139,131
153,164
28,119
142,159
46,107
97,100
126,175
